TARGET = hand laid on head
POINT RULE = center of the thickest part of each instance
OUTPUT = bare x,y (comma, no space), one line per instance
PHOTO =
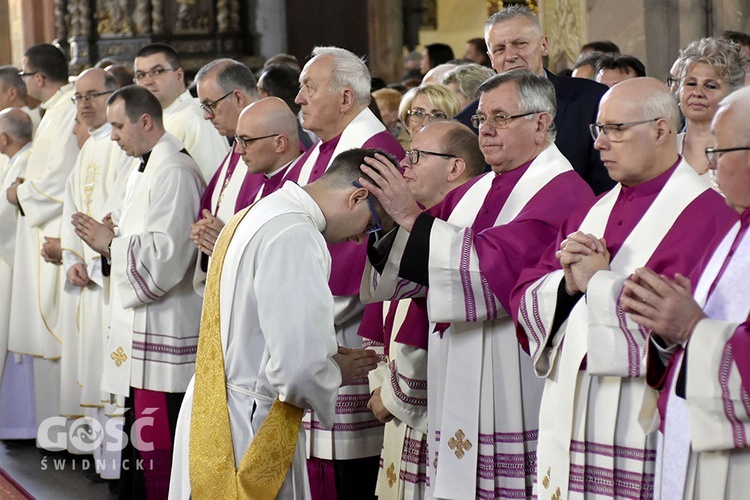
391,191
664,306
581,256
375,405
205,232
96,235
355,363
52,251
77,275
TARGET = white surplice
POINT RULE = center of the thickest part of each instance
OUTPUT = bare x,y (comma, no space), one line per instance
184,120
590,440
277,258
712,460
154,311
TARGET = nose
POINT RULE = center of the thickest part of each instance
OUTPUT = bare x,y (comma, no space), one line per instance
601,142
405,163
207,115
300,98
360,238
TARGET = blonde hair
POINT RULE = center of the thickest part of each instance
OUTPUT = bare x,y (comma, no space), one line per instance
439,95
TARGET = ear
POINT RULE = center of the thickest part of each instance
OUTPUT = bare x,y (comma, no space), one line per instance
358,196
239,99
347,99
146,121
663,130
4,139
458,167
280,143
543,122
180,74
545,46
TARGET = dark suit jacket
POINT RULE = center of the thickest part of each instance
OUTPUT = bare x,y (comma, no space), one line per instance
577,106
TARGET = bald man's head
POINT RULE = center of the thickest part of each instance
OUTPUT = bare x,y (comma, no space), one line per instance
16,131
637,125
268,129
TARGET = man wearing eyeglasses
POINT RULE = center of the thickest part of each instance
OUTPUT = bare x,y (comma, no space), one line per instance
700,339
484,408
660,214
225,88
157,68
334,95
95,187
270,351
153,324
444,156
35,326
514,40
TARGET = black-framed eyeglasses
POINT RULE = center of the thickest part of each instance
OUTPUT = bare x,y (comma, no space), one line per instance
208,107
243,141
153,73
377,226
418,115
498,120
713,154
414,154
613,131
672,80
23,74
87,97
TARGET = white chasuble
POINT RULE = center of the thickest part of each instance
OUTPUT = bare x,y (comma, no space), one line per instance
155,312
589,419
184,120
37,284
93,188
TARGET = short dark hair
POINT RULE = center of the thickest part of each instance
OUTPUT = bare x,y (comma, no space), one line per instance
345,168
9,78
280,80
122,74
161,48
49,61
624,63
461,141
605,46
138,101
439,53
589,59
737,37
481,45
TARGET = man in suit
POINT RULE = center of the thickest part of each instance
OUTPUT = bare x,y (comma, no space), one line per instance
515,40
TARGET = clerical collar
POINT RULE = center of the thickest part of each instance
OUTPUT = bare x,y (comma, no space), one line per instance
651,186
144,160
280,169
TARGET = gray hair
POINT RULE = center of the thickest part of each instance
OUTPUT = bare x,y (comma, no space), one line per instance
16,124
230,76
662,104
9,78
721,54
535,93
468,77
511,12
348,70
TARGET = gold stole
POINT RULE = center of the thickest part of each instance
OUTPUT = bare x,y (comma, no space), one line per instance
212,464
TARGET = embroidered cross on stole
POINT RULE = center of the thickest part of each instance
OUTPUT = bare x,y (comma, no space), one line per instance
212,464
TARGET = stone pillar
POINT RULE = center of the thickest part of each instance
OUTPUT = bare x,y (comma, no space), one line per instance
565,23
386,38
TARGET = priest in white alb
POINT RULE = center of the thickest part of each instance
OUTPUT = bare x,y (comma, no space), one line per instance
154,311
589,351
95,188
35,323
240,433
483,397
17,414
699,349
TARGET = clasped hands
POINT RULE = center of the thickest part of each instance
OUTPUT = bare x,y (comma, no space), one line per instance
581,256
205,232
97,235
11,192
